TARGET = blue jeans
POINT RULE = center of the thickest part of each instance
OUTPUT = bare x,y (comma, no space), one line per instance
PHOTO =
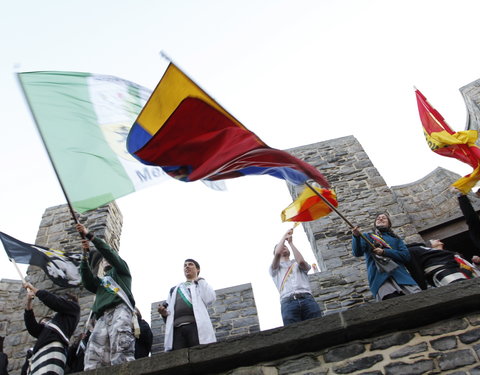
298,310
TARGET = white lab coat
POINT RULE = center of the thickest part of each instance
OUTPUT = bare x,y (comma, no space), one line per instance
203,295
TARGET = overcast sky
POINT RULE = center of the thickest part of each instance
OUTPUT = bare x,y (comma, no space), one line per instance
294,72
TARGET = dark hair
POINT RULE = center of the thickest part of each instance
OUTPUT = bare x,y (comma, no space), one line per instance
197,266
71,297
275,248
194,262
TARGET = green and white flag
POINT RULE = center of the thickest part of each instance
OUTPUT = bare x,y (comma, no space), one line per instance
84,120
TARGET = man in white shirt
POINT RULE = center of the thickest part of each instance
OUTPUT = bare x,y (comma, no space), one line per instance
187,322
290,277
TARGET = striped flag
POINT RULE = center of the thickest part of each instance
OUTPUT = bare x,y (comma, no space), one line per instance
309,206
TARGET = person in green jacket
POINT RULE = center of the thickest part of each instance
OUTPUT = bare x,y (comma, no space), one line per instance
112,341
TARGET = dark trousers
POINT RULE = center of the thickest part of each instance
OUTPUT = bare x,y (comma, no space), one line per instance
472,220
185,336
392,295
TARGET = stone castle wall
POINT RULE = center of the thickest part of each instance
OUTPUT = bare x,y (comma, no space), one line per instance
341,289
429,200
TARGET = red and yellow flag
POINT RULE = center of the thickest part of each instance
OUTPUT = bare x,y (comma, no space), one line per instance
309,206
444,141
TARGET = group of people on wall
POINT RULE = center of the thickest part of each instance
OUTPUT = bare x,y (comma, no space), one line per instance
119,334
395,268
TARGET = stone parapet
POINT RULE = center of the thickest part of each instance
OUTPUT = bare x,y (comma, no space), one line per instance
435,331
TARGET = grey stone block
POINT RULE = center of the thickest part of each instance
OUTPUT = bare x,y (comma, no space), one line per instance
297,365
444,343
470,336
409,350
343,352
446,327
358,364
417,368
453,360
391,340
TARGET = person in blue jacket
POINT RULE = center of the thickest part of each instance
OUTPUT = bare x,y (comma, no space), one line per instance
386,259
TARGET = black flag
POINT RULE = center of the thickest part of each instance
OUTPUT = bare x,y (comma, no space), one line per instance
60,266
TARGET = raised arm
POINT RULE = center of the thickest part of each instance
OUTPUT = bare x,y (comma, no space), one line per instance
33,327
277,253
53,302
106,251
89,280
302,263
358,244
58,304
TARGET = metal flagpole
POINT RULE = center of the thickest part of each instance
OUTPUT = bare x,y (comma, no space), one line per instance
333,208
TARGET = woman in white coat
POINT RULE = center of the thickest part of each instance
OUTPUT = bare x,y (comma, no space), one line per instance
187,322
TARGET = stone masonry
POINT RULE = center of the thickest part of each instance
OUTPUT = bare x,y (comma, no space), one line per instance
234,314
56,231
429,200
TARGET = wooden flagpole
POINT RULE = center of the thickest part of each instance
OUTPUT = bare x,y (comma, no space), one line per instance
18,270
333,208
